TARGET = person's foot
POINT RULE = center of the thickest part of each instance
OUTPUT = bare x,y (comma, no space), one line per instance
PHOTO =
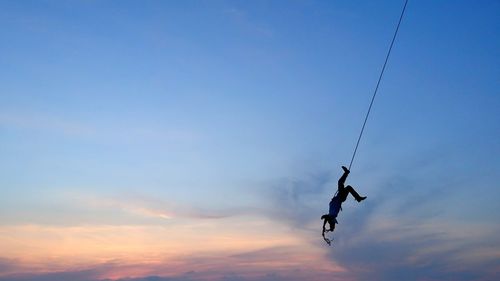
361,198
345,169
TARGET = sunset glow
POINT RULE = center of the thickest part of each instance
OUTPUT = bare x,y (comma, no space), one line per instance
203,140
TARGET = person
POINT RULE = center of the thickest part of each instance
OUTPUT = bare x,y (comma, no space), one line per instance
336,203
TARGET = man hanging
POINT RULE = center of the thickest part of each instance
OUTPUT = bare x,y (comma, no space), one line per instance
336,203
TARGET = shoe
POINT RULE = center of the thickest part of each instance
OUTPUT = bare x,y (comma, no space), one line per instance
345,169
361,198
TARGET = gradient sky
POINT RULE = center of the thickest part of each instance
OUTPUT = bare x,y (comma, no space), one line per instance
202,140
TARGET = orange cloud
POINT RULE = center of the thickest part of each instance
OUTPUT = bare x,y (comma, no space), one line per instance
250,246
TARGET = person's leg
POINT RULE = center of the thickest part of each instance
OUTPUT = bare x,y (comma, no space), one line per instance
343,177
356,196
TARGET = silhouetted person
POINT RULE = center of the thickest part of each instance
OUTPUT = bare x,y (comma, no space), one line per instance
336,203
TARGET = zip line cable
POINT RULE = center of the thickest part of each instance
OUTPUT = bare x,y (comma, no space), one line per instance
378,83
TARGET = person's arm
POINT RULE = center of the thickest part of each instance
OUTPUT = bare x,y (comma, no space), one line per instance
328,241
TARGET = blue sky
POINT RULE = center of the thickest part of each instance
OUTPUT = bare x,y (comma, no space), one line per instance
230,120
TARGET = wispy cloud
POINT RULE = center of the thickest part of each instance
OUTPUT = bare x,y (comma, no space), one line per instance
176,246
273,263
402,232
46,123
157,208
74,275
8,266
252,26
298,201
104,131
396,249
384,238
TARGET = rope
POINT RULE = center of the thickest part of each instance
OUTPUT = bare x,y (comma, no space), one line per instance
378,83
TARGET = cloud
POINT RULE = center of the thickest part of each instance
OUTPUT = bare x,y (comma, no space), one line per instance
272,263
400,233
93,209
242,19
107,131
44,122
8,265
299,201
92,274
156,208
404,231
410,250
405,234
82,276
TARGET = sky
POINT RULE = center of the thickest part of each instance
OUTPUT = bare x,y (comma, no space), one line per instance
202,140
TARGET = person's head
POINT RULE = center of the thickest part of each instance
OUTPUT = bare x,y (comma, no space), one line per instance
329,220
